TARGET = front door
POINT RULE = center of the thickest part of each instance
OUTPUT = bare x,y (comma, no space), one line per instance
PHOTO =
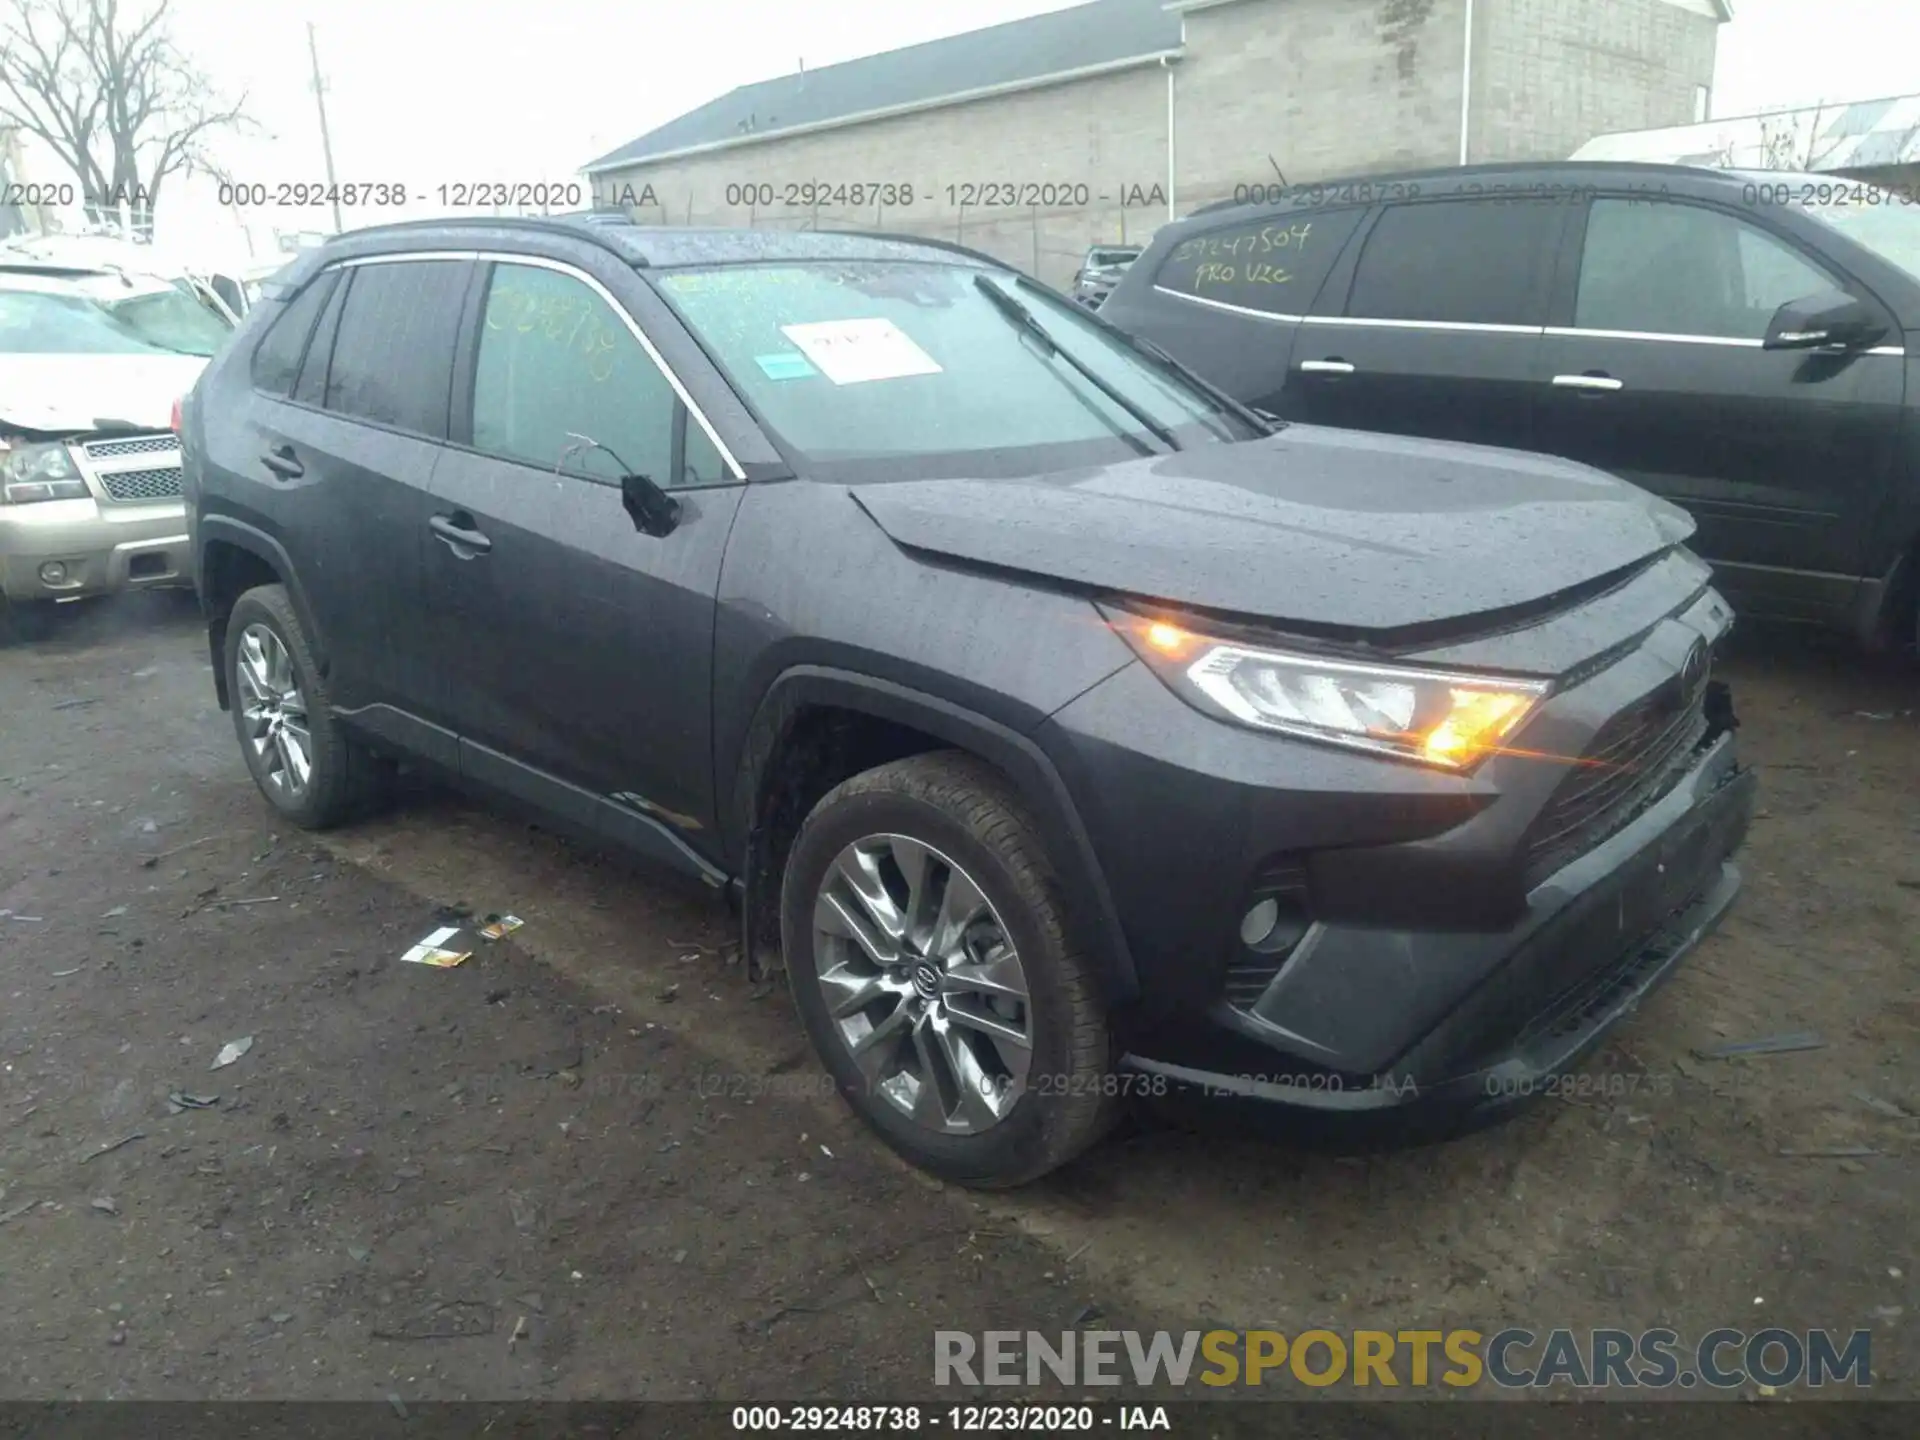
1659,376
580,647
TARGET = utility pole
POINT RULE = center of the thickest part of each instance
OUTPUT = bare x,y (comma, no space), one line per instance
326,138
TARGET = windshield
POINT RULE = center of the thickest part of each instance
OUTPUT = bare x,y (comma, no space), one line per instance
1872,218
906,369
162,322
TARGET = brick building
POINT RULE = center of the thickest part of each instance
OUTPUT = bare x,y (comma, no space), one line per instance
1037,138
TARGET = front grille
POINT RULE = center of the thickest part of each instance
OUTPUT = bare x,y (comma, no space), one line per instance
160,484
140,445
1637,758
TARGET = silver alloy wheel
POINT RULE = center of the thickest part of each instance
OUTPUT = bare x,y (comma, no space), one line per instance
923,984
275,711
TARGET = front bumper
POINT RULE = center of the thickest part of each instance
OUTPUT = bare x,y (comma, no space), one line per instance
1451,956
1596,939
103,548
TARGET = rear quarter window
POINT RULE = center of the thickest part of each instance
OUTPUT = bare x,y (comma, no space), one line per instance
276,359
1275,264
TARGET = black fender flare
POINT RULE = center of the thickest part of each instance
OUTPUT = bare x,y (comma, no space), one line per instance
255,541
1089,900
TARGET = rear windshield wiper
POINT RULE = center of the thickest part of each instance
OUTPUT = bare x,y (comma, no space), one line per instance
1021,316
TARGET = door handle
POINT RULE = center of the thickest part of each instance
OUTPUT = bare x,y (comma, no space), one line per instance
463,540
1589,382
1325,367
283,462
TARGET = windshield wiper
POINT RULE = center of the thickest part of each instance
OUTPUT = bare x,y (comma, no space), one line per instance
1143,346
1025,319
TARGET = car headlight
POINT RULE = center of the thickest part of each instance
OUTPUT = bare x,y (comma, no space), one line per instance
39,472
1449,719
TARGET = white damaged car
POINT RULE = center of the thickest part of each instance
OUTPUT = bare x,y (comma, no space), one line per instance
91,367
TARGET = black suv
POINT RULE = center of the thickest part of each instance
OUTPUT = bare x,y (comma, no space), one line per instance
1736,342
1073,733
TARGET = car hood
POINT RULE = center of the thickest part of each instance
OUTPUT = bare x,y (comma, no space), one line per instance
1331,529
93,392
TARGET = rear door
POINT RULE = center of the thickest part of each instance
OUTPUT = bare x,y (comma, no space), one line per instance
1657,373
348,453
1229,300
580,647
1436,328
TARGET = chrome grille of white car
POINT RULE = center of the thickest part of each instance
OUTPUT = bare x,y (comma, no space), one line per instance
124,468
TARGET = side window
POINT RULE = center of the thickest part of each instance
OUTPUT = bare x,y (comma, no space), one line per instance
1667,268
1276,264
276,359
556,363
1481,262
393,355
311,387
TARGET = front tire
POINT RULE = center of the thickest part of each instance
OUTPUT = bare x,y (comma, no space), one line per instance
300,756
929,956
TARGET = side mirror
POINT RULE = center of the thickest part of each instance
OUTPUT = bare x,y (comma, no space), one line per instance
1830,319
653,510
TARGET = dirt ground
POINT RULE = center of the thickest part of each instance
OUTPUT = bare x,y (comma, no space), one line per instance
596,1162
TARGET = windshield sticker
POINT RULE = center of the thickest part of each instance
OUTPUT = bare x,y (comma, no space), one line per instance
851,352
787,365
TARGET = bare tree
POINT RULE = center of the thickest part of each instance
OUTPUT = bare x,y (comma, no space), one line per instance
103,85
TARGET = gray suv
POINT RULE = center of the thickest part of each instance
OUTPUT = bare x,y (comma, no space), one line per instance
1074,734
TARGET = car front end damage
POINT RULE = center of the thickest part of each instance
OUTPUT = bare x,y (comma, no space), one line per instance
1373,944
90,513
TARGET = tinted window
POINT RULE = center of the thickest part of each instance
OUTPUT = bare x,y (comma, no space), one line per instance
393,355
1478,262
311,387
276,360
556,363
1685,270
1275,264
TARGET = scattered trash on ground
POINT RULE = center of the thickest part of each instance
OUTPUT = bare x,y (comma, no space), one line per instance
519,1329
23,919
63,974
76,704
1881,1107
113,1145
359,1254
430,951
1770,1045
231,1051
149,861
104,1204
498,927
114,913
1873,714
180,1101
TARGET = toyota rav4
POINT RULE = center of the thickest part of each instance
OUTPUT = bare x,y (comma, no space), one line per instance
1070,731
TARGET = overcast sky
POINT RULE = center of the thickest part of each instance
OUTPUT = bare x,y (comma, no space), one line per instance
430,91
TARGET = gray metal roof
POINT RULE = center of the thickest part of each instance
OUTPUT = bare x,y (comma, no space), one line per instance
1104,33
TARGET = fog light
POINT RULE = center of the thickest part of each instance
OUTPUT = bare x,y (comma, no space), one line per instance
54,572
1257,924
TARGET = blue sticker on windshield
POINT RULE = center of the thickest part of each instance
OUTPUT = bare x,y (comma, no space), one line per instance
788,365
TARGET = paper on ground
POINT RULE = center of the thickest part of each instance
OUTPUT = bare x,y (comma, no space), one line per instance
430,952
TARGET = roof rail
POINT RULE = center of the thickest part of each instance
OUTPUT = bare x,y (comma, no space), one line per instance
932,243
592,232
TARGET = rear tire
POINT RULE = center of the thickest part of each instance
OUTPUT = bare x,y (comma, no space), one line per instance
305,763
936,862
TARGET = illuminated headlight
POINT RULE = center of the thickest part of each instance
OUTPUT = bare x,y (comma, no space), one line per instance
1449,719
39,472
